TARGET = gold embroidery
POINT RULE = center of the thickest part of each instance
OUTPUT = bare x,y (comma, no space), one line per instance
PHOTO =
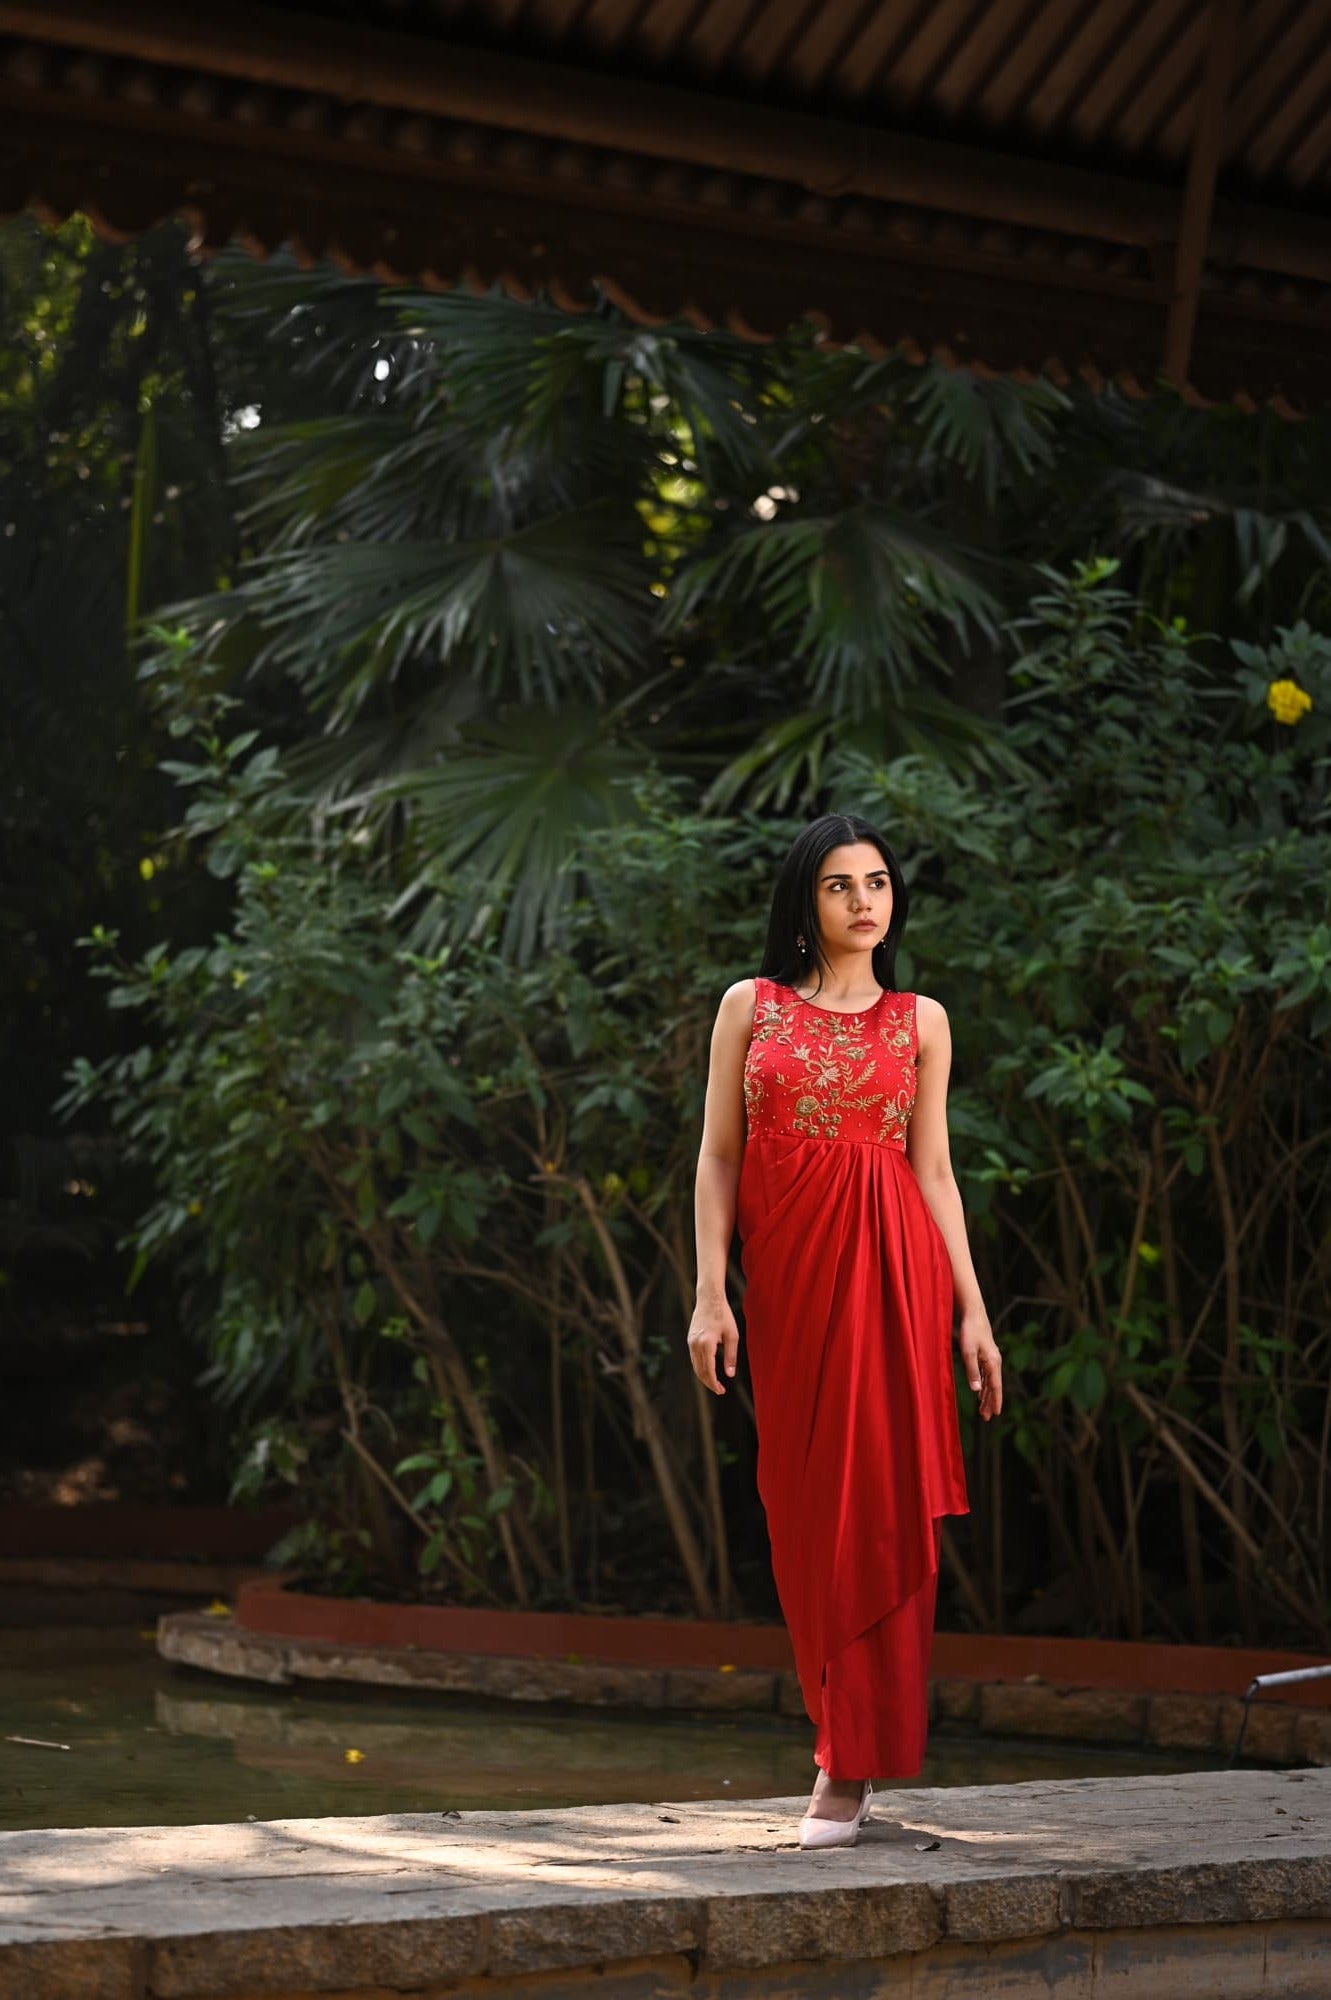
831,1061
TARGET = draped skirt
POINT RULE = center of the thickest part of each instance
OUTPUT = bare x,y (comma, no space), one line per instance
848,1318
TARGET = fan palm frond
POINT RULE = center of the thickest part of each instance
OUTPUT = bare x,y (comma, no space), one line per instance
789,762
547,609
859,596
520,370
496,824
995,429
310,325
307,477
1164,512
357,768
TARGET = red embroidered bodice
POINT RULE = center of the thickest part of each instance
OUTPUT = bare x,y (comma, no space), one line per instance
813,1074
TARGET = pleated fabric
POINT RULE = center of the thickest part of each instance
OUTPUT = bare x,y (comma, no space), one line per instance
875,1708
848,1319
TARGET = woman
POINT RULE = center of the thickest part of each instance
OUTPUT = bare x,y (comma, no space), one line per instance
825,1138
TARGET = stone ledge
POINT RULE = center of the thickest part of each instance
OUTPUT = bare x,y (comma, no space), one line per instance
955,1700
1065,1891
1277,1732
217,1645
1085,1715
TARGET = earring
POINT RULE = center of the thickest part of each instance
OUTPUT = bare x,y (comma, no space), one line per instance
800,945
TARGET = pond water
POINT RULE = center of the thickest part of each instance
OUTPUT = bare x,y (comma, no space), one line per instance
153,1745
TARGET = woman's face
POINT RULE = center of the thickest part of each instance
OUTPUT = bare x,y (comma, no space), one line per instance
854,898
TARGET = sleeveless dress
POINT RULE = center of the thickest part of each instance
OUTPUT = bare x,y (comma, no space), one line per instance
848,1314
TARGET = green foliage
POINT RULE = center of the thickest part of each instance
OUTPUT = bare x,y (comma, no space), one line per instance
110,495
365,1147
487,717
858,599
480,508
1131,937
746,558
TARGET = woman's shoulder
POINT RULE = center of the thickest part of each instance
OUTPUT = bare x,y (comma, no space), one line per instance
930,1018
740,999
744,995
735,1015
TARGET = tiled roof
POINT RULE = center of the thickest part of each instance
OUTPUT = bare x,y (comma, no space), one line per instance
1104,187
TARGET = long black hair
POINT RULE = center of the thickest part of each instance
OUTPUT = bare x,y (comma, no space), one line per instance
795,902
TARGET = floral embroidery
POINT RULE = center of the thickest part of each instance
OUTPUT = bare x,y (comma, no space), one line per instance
831,1076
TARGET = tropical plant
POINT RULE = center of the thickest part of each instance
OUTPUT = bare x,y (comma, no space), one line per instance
1136,943
372,1167
498,553
550,629
440,1202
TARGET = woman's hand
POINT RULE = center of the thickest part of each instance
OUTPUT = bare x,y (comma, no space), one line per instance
984,1363
712,1326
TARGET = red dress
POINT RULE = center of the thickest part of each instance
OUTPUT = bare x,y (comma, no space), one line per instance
848,1316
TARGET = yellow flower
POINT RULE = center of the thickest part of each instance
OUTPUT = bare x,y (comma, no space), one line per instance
1287,701
217,1609
726,1669
354,1756
196,1208
147,868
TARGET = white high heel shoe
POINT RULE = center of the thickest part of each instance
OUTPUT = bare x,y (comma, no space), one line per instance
836,1832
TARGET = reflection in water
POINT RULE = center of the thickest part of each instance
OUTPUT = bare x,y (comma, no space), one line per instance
491,1753
156,1745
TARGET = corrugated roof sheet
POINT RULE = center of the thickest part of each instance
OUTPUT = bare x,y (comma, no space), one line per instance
1001,181
1112,82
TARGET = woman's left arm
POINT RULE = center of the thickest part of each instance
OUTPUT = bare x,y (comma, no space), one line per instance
931,1160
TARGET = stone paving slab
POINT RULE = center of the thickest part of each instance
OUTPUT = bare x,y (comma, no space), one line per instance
1051,1876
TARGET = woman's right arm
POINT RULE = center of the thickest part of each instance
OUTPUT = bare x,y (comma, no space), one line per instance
716,1190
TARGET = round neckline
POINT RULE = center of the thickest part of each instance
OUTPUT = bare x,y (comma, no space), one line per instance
842,1013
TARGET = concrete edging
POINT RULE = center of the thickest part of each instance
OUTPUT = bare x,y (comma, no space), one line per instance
269,1604
1277,1732
1215,1886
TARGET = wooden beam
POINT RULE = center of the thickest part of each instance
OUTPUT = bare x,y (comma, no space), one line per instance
436,223
342,66
1199,194
351,65
267,44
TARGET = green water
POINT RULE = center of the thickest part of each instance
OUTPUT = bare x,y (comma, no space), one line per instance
153,1745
